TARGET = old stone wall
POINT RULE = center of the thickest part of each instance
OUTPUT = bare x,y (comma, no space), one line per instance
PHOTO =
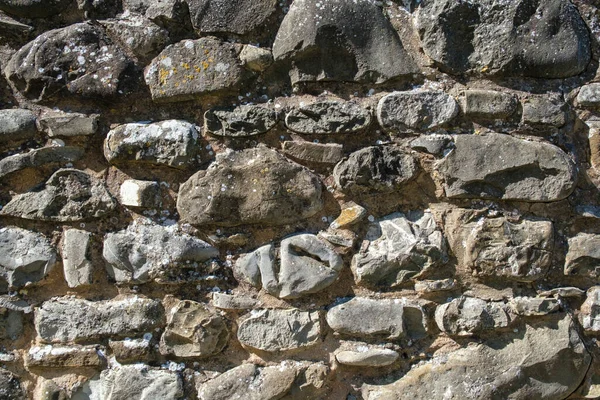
307,199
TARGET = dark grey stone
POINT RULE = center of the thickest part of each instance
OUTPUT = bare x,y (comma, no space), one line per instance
489,104
39,157
229,16
241,121
328,117
17,125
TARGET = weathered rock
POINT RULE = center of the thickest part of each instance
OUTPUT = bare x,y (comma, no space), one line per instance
365,356
39,157
489,104
66,319
146,251
307,265
193,330
69,195
496,247
34,8
252,186
241,121
418,110
435,144
172,143
232,16
467,316
250,382
10,386
382,318
430,286
516,38
541,360
330,153
544,111
401,247
172,15
11,318
497,166
192,68
136,193
25,257
255,58
375,169
568,291
348,41
65,357
79,58
280,330
17,125
13,29
533,306
589,95
233,302
76,257
590,310
350,214
328,117
133,350
69,124
583,257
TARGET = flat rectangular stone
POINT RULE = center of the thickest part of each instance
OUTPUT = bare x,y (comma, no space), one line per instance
330,153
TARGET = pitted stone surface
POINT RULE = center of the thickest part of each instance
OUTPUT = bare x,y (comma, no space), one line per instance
39,157
328,117
229,16
467,316
242,121
77,262
583,256
16,124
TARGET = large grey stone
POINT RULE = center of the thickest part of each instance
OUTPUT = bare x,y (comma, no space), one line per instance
417,110
79,58
467,316
67,319
489,104
497,166
76,257
533,306
544,112
192,68
146,251
341,41
545,360
34,8
375,169
540,39
328,117
279,330
39,157
498,247
69,195
378,318
25,256
171,142
229,16
583,256
241,121
17,124
401,247
252,186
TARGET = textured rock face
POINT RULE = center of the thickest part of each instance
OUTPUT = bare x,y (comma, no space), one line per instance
583,255
401,247
57,124
39,157
77,262
62,59
242,121
10,386
328,117
342,44
33,8
16,125
253,186
467,316
489,104
330,153
496,166
369,357
497,369
590,310
238,16
519,38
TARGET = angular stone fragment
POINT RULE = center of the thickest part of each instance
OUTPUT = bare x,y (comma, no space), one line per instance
133,350
569,291
171,142
252,186
401,247
136,193
233,302
533,306
146,251
351,214
377,318
468,316
11,317
10,386
418,110
192,68
255,58
430,286
232,16
496,247
193,330
69,124
539,39
377,168
330,153
497,166
590,310
545,111
348,41
280,330
76,257
67,319
79,58
34,8
545,360
25,257
435,144
241,121
366,356
39,157
250,382
489,104
583,256
69,195
65,357
13,29
328,117
589,95
16,125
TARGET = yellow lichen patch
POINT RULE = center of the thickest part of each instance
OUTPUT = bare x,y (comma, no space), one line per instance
349,216
163,74
185,65
205,65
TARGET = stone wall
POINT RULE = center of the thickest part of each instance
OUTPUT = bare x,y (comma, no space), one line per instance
317,199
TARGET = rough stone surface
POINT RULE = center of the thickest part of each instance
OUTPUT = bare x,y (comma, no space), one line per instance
435,144
10,386
59,124
255,58
351,214
589,95
233,16
39,157
431,286
418,110
497,166
541,111
242,121
76,257
25,256
590,310
33,8
467,316
328,117
401,247
279,330
172,143
16,125
253,186
69,195
583,256
146,251
377,168
367,357
330,153
233,302
533,306
57,356
137,193
66,319
342,44
489,104
518,38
